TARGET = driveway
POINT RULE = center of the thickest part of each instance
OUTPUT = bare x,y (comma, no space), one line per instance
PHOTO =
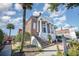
6,51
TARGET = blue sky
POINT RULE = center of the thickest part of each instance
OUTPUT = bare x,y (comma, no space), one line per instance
12,13
73,16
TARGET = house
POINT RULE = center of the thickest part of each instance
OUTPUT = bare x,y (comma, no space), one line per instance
67,32
40,27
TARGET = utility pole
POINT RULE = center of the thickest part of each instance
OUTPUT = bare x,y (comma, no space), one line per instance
64,43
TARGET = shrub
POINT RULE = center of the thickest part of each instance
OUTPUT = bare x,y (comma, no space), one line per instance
20,36
59,53
73,48
1,36
77,33
72,52
18,48
27,36
49,37
74,43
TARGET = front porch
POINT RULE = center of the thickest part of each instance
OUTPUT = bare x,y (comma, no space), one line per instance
44,28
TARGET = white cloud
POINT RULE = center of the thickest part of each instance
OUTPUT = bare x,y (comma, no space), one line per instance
62,19
17,20
10,13
54,13
36,13
55,19
18,6
58,23
45,7
66,26
2,24
75,28
57,13
5,17
5,6
61,12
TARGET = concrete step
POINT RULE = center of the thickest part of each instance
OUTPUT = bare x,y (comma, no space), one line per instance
43,43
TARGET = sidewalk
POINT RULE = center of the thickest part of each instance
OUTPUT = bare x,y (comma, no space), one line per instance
6,51
49,51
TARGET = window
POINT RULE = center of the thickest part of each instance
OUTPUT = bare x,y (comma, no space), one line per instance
44,28
34,25
48,28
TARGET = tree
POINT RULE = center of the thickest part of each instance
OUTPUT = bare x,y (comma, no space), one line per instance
71,5
77,33
55,27
73,49
10,27
24,7
1,36
54,6
19,36
50,38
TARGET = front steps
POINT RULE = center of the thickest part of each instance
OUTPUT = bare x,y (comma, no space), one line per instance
43,44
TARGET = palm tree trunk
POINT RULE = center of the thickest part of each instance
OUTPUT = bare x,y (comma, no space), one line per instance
22,41
9,33
10,41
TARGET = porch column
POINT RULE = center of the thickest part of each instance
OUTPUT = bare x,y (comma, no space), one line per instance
50,28
40,26
37,26
46,27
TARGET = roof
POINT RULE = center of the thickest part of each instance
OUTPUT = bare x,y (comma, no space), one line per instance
40,18
32,17
62,31
46,19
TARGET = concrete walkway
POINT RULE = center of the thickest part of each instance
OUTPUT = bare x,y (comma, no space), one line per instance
6,51
50,51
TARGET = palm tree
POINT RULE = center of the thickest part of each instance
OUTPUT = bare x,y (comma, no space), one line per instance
24,7
54,6
10,27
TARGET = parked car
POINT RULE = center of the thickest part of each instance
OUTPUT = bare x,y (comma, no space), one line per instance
59,38
7,42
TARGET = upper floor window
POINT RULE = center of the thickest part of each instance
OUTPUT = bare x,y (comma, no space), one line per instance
48,28
34,25
44,28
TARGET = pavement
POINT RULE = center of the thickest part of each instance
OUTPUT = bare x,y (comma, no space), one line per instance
50,51
6,51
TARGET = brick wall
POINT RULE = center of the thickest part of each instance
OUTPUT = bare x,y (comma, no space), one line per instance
28,26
